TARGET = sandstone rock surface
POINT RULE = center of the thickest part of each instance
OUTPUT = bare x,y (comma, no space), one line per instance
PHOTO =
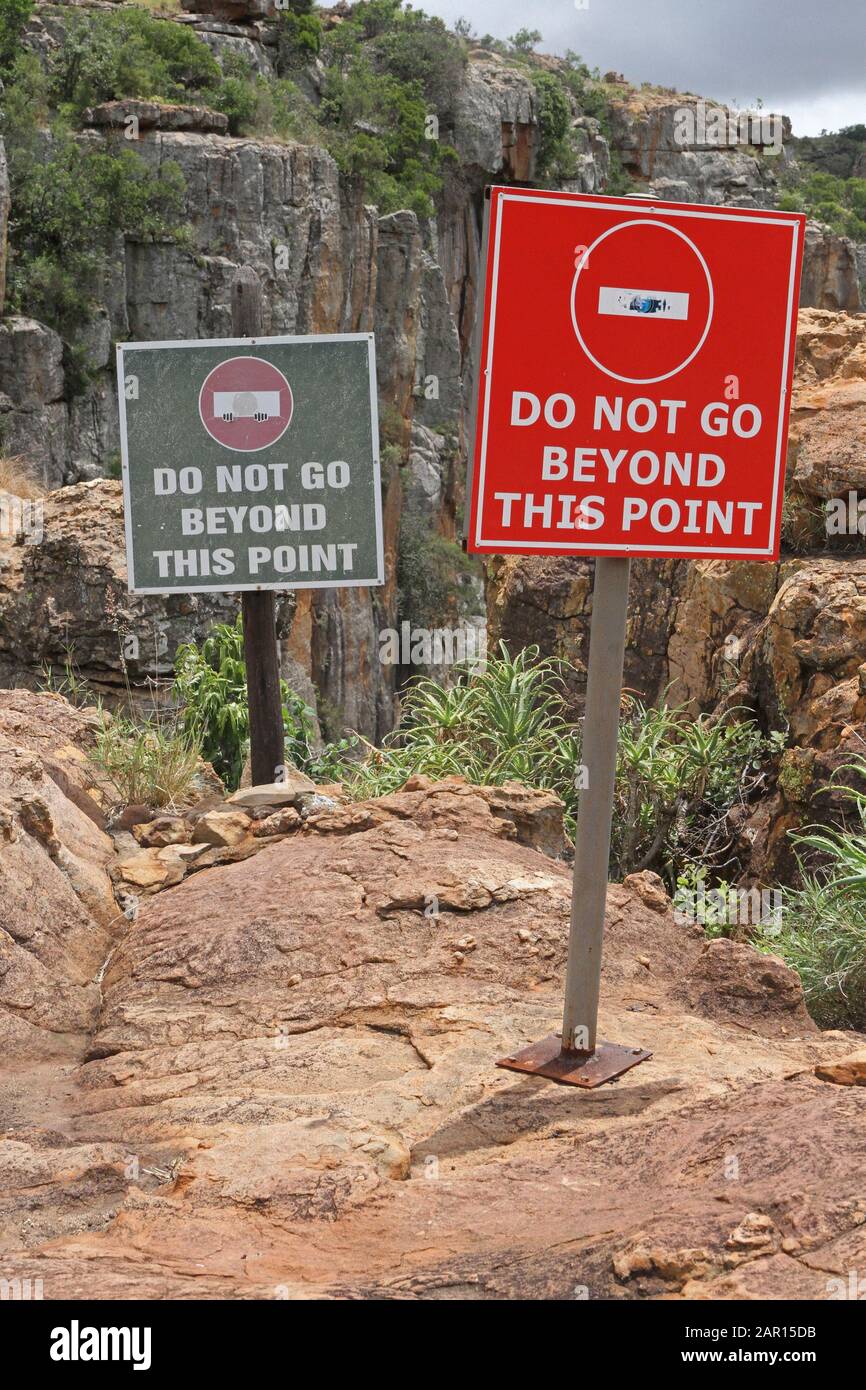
58,915
290,1092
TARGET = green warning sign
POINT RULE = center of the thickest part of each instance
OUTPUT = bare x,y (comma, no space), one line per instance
250,463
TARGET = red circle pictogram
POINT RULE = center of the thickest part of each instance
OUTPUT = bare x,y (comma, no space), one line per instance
642,301
245,404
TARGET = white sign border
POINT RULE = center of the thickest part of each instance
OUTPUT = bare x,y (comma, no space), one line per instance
369,339
657,207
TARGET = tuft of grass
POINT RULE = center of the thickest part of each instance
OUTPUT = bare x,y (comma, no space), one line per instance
822,933
148,762
15,478
152,761
69,682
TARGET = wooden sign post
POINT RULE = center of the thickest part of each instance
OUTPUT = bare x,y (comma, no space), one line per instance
267,741
251,464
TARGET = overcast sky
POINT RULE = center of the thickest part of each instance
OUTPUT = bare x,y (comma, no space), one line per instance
805,58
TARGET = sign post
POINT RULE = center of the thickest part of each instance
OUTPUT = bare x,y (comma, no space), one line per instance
635,374
267,736
251,464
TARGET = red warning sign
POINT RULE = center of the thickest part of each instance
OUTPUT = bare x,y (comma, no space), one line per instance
245,404
636,367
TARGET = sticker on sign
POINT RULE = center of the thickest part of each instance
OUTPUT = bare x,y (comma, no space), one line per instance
251,464
661,304
633,399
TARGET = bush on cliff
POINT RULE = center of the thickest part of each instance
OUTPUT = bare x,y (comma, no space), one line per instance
299,36
68,203
839,203
14,15
129,53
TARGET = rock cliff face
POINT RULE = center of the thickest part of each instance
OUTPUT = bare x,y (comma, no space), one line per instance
329,263
667,146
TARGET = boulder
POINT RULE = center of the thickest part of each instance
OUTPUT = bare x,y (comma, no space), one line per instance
232,10
849,1071
153,115
828,416
495,119
222,828
67,600
31,363
294,789
58,916
649,130
165,830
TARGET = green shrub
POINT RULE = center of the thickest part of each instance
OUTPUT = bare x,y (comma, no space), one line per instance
556,156
238,99
68,203
498,721
419,48
388,70
432,574
840,203
129,53
677,776
211,687
284,111
525,40
822,933
299,36
375,128
14,15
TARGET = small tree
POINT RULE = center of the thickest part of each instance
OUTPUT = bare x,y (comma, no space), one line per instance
525,40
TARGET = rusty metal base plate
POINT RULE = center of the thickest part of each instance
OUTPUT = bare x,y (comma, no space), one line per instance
546,1058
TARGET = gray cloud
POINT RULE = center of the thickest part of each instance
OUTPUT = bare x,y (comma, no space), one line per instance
806,58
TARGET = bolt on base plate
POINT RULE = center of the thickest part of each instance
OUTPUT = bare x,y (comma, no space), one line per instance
586,1069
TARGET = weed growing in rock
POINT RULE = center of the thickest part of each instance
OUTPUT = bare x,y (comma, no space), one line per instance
678,778
210,687
822,933
148,762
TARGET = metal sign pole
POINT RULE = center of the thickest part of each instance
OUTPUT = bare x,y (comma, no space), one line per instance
575,1056
267,739
595,812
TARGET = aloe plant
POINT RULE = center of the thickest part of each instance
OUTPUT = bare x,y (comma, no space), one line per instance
210,686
